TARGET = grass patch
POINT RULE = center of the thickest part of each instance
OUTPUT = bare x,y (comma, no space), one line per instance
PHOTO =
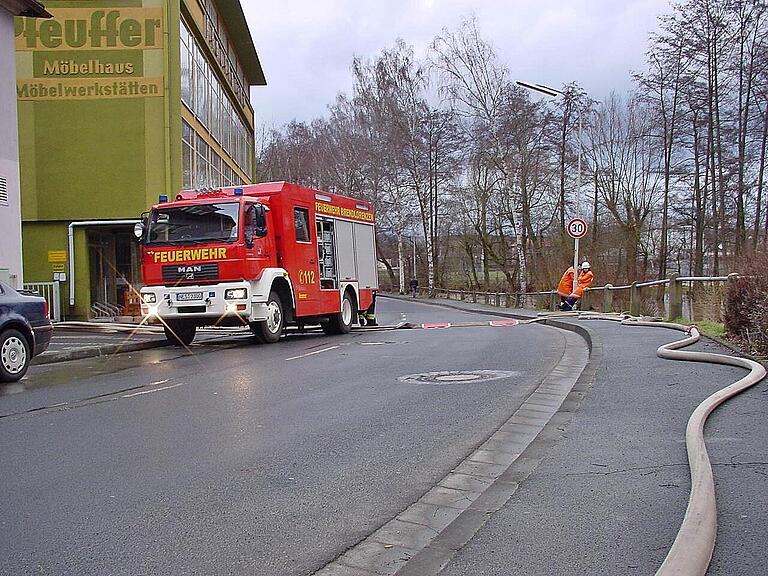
706,327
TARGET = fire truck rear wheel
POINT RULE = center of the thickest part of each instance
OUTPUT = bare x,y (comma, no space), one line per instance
341,323
269,331
180,332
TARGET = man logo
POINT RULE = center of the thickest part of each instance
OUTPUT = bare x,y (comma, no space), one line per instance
189,271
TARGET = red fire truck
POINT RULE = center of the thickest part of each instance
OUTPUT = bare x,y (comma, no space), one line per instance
262,255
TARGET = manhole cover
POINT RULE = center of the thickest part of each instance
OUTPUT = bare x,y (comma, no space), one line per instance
456,376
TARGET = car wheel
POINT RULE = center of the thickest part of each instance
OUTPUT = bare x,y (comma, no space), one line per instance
269,331
341,323
14,356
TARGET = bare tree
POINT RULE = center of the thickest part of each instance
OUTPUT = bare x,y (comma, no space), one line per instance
662,87
628,171
479,87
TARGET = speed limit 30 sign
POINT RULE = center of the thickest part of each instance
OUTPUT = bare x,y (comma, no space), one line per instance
577,228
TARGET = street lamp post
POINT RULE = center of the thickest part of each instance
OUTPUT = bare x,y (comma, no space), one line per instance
552,92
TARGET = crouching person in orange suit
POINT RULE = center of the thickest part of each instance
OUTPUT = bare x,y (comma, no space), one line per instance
568,298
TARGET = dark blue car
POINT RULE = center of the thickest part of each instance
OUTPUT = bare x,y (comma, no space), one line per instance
25,331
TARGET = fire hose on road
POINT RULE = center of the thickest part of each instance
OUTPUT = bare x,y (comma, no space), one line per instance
692,549
694,544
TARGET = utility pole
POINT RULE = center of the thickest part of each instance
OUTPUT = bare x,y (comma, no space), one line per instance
553,92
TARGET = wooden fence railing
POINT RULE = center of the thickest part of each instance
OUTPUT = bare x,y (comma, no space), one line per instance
674,297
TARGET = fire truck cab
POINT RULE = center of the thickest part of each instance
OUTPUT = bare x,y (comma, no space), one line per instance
263,256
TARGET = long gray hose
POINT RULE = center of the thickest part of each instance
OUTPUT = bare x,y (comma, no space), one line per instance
692,549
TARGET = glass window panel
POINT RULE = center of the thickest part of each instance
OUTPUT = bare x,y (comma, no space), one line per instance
231,51
205,105
201,161
187,133
222,179
216,109
186,76
199,91
226,142
187,156
203,176
222,115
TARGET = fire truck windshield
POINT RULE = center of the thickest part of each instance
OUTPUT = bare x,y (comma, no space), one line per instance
181,225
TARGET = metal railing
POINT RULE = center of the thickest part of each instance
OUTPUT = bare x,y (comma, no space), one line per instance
675,297
105,311
49,291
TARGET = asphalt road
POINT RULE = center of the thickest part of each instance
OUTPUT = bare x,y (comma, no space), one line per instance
235,458
609,495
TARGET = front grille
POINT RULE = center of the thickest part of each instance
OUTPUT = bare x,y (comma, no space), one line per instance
191,272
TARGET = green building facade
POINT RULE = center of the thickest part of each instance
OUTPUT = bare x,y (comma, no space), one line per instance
121,101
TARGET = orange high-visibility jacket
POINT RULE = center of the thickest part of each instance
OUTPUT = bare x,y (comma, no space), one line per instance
566,283
585,281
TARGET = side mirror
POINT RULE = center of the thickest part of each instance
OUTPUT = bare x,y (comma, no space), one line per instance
260,220
139,229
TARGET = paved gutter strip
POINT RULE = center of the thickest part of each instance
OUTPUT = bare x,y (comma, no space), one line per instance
487,497
421,540
78,353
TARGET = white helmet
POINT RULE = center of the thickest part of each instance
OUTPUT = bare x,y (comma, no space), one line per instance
585,265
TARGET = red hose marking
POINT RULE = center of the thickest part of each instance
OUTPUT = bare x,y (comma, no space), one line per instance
503,322
436,325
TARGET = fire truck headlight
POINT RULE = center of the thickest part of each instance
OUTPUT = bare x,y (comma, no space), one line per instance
152,311
236,294
231,307
149,297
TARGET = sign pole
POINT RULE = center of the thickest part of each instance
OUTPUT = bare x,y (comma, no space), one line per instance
581,227
578,210
575,263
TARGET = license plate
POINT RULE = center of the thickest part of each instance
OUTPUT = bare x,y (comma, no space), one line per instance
189,296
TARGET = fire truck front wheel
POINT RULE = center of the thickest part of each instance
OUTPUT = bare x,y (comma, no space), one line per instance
341,323
268,331
180,332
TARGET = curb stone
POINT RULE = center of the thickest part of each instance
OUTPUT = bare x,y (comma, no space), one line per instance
94,351
495,479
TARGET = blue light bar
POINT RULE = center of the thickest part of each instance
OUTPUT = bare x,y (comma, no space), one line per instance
238,191
163,199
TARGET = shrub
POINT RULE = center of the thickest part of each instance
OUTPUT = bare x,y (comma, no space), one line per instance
746,305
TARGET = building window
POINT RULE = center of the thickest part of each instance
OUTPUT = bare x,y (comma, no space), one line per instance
187,154
224,51
202,167
209,101
186,66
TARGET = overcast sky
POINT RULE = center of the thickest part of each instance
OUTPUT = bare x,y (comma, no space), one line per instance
306,46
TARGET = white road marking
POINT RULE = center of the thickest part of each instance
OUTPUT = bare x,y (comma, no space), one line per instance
150,391
312,353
